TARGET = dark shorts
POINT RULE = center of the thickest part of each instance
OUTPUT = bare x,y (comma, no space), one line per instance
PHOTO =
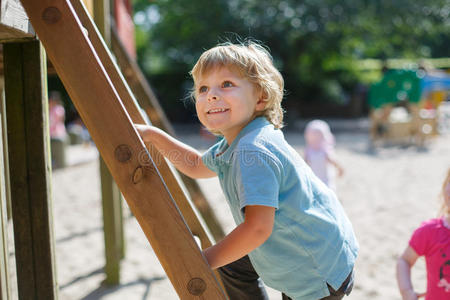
243,283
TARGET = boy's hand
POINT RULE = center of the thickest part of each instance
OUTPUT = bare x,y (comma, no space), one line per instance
144,131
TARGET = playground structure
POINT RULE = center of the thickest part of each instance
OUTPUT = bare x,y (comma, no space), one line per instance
104,100
405,105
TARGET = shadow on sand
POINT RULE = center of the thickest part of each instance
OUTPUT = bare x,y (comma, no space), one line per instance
103,290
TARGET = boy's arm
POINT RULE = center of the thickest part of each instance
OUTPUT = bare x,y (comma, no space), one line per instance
185,158
249,235
404,264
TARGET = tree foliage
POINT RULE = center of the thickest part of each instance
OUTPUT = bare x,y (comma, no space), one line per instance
316,44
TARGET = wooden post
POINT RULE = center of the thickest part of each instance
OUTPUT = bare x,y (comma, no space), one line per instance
5,292
128,160
5,156
29,162
112,225
111,197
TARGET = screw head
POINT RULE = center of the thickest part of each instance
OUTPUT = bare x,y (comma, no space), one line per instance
123,153
51,15
196,286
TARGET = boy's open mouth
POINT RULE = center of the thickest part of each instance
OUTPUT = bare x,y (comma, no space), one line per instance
217,110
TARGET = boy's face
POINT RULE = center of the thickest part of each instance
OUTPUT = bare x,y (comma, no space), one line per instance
226,102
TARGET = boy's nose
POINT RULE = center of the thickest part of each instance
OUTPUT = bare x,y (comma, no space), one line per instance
212,95
211,98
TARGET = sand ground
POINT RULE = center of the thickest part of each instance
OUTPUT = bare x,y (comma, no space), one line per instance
386,193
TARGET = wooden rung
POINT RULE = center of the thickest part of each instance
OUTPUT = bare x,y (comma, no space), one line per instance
127,158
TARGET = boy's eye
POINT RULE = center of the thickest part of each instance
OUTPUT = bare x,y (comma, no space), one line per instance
202,89
226,84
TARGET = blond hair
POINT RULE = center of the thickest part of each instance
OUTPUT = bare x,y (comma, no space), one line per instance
444,210
255,64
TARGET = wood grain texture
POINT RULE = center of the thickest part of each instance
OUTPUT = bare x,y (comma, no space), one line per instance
14,23
111,197
110,126
5,291
29,167
188,210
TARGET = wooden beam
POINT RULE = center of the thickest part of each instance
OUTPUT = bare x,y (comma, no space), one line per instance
188,209
182,201
29,162
102,18
14,24
126,156
148,101
4,138
112,225
5,291
111,197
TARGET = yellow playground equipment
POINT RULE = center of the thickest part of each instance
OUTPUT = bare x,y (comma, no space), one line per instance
404,106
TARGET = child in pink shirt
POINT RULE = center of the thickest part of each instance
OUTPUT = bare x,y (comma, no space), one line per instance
432,240
319,152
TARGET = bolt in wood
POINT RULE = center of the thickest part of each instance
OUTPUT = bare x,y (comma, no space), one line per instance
196,286
51,15
123,153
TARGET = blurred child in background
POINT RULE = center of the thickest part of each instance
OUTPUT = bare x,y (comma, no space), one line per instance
432,240
319,152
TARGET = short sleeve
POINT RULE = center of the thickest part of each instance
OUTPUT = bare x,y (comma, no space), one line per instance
209,161
420,240
209,157
257,179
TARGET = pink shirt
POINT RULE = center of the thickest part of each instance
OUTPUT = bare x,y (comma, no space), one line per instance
432,240
56,116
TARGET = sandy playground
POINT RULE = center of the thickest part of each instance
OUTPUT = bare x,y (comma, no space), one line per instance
386,193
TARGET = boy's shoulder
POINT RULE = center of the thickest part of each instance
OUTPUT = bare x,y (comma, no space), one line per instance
259,138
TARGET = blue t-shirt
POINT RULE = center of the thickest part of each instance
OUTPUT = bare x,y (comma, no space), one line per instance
312,242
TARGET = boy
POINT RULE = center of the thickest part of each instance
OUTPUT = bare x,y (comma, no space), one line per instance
291,229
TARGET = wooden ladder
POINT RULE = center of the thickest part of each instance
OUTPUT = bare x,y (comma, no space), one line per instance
108,109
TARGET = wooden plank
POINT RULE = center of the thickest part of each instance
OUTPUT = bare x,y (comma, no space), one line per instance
188,210
14,24
5,291
147,99
182,201
111,197
102,19
4,138
112,225
122,149
89,6
29,162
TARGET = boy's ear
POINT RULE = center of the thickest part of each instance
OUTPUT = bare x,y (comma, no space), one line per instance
262,101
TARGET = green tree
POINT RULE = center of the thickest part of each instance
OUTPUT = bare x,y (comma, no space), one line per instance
317,44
